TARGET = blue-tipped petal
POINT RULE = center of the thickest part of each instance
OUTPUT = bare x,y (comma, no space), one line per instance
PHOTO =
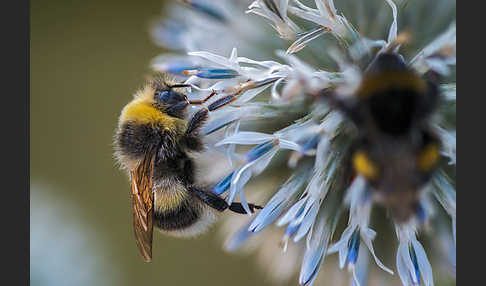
420,213
311,143
353,247
266,81
294,211
291,229
213,73
240,237
266,216
259,150
178,67
238,181
423,264
307,222
279,202
299,213
311,266
224,185
413,256
223,122
206,9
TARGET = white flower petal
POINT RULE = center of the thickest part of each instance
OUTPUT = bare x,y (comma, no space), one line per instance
312,263
423,263
261,163
367,241
341,245
317,244
312,17
246,138
361,268
278,202
454,229
265,64
402,269
234,56
275,94
217,59
292,212
287,144
250,94
230,150
302,42
238,181
392,34
307,222
445,193
322,153
354,193
268,214
244,203
448,139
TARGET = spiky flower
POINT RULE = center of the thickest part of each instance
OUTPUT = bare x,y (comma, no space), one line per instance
267,119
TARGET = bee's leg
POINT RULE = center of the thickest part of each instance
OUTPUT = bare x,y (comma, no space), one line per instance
201,116
177,109
191,138
210,199
201,101
218,203
238,208
197,121
222,102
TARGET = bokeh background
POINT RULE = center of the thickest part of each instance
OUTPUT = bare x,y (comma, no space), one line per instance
87,59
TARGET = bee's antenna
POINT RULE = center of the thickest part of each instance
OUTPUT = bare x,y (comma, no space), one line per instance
179,85
197,101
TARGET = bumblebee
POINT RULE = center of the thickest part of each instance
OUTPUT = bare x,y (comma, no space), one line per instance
396,150
153,143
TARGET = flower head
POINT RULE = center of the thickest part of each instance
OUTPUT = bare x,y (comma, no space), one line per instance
273,112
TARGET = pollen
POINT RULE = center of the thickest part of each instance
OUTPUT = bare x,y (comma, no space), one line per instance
428,157
364,166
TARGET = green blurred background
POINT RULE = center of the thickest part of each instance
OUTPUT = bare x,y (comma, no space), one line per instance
87,59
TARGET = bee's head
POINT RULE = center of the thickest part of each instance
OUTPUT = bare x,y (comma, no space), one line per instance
170,101
168,97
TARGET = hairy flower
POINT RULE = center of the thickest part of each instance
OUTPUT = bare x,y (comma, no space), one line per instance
267,119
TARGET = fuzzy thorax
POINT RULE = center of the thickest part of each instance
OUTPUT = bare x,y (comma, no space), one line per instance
142,110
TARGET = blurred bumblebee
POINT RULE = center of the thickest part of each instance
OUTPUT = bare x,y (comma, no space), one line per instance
396,150
153,142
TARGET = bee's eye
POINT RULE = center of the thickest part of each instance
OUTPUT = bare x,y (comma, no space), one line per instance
364,165
169,97
162,95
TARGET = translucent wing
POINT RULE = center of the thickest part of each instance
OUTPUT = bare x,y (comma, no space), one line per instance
142,203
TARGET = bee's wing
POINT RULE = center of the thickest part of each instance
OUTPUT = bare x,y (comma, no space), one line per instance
142,203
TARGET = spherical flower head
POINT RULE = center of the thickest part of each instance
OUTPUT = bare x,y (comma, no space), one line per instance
276,73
